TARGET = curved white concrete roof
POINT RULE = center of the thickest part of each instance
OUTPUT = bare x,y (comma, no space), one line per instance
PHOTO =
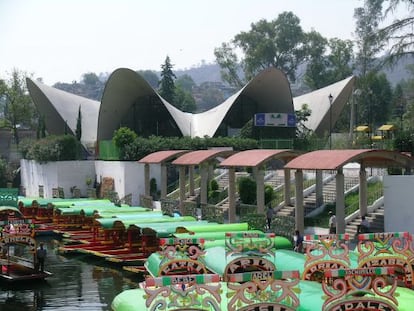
318,101
269,91
59,107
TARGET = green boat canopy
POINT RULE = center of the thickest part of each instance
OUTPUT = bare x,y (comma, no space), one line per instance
8,209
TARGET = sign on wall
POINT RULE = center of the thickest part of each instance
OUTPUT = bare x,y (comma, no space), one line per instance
275,119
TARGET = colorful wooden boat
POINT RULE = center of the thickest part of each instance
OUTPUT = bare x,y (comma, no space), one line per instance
17,248
233,283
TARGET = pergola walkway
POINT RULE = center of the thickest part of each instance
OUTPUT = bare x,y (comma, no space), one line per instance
257,158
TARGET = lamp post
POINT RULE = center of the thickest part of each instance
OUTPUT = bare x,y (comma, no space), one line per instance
353,120
330,97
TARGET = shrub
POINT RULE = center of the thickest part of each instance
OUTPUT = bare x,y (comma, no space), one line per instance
52,148
247,190
269,194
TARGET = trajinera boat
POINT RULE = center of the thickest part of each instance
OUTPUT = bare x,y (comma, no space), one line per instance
18,248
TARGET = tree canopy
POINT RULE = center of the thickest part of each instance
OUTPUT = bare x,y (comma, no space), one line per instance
16,104
278,43
166,84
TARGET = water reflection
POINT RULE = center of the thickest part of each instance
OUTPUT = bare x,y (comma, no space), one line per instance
79,282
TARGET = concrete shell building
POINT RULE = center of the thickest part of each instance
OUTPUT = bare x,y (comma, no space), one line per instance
128,100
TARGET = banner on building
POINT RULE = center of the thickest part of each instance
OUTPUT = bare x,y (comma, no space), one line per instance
275,119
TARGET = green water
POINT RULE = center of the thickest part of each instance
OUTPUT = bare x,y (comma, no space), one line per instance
79,282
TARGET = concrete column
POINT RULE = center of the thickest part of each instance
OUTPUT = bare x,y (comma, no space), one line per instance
340,202
363,189
260,197
232,195
191,179
203,183
299,209
210,171
164,181
182,185
147,178
287,186
319,188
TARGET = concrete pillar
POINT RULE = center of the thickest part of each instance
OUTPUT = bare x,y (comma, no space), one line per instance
260,197
319,188
147,178
299,209
191,179
182,182
287,186
232,195
340,202
164,180
363,189
203,183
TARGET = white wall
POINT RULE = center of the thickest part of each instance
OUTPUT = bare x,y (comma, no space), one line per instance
398,200
128,176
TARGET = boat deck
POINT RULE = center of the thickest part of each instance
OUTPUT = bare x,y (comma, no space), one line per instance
14,272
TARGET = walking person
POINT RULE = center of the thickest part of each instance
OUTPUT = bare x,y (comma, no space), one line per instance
40,257
332,223
269,216
363,227
298,242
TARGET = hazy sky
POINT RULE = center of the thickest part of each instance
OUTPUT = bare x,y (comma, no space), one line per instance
59,40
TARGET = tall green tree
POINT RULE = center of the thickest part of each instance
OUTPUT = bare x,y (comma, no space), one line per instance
375,101
91,79
41,127
186,83
340,59
18,108
369,44
167,84
368,40
78,131
408,91
315,75
184,100
399,34
278,43
329,61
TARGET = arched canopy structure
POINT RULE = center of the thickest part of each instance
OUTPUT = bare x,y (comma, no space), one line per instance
159,157
202,159
60,111
324,114
128,100
268,92
335,160
254,158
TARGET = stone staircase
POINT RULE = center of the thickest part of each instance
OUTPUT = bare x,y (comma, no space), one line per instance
375,219
329,195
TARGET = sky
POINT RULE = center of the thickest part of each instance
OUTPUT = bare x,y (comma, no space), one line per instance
59,40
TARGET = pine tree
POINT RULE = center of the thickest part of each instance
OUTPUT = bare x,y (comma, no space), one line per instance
166,84
79,125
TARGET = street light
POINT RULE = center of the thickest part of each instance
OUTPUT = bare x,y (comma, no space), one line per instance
353,121
330,97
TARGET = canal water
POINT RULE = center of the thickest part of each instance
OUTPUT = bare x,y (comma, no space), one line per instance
79,282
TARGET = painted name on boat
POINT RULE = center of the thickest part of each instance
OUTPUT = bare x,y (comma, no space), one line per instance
363,306
178,265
